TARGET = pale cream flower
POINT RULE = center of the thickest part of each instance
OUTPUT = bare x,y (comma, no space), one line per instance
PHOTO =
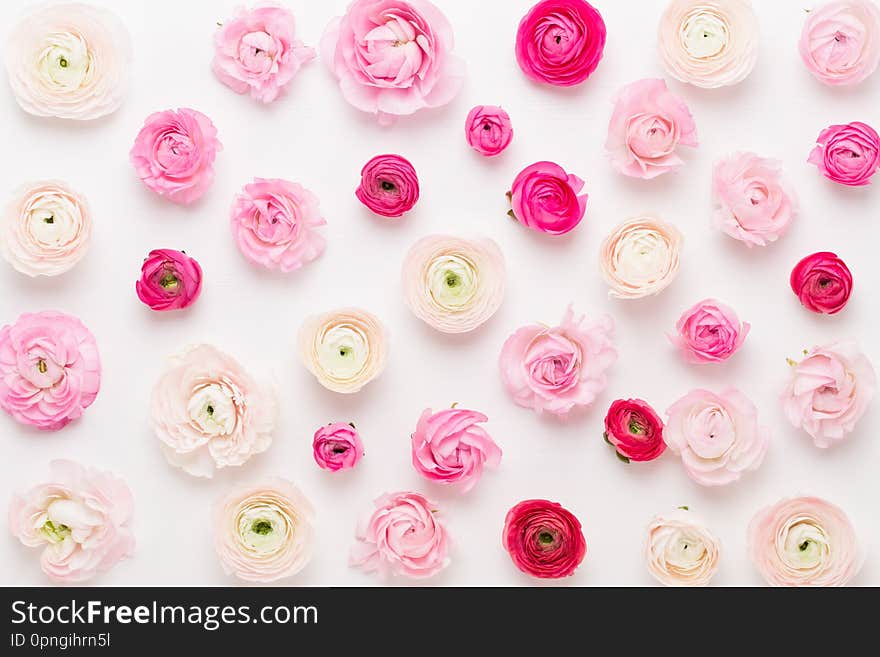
640,257
680,551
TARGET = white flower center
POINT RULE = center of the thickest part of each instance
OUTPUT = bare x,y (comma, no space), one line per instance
643,256
806,545
704,35
685,551
263,528
343,351
452,280
52,220
213,409
64,61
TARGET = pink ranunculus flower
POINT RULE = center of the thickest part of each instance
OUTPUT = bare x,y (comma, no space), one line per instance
173,154
840,42
275,224
717,435
847,154
822,282
545,198
709,332
337,446
393,57
543,539
829,391
647,124
680,550
50,370
635,430
556,369
450,447
79,517
403,535
257,51
753,203
170,280
640,257
560,42
389,185
804,541
488,130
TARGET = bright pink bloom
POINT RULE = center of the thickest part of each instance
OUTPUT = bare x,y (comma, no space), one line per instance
634,430
337,446
822,282
389,185
487,129
169,280
545,198
543,539
709,332
847,154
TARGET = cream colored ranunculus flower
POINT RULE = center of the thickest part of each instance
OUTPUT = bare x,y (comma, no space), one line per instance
640,257
680,551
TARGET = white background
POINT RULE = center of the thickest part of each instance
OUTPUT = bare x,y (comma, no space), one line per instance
313,136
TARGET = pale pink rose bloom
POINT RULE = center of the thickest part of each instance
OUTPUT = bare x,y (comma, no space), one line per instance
717,435
263,532
403,535
753,203
209,413
829,391
680,550
804,541
709,332
450,447
647,124
640,257
257,51
393,57
79,517
275,224
556,369
840,42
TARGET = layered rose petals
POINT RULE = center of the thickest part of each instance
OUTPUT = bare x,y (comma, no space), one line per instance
543,539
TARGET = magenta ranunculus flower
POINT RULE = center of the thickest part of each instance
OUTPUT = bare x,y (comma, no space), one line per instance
545,198
392,57
50,370
709,332
544,539
822,282
450,447
337,446
847,154
560,42
389,185
257,51
487,130
170,280
635,430
274,223
840,42
173,154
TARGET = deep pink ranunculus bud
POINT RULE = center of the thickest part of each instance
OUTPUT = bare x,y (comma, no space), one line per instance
847,154
545,198
822,282
389,185
487,130
337,446
543,539
170,280
635,430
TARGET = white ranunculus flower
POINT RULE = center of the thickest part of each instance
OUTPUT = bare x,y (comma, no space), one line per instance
680,551
640,257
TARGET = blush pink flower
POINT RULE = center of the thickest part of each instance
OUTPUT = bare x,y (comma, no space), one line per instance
393,57
403,535
257,51
337,446
275,224
560,42
847,154
79,517
389,185
647,125
556,369
840,42
635,430
488,130
50,370
829,391
170,280
717,435
450,447
543,539
545,198
173,154
753,203
709,332
822,282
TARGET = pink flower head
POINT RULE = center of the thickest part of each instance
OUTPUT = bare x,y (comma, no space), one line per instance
647,124
544,539
560,42
450,447
403,535
50,371
389,185
717,435
393,57
545,198
337,446
709,332
257,51
173,154
274,223
822,282
635,430
847,154
556,369
840,42
753,203
79,517
487,130
829,391
169,280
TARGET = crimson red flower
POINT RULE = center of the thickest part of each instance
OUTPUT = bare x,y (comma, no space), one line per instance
634,430
543,539
822,282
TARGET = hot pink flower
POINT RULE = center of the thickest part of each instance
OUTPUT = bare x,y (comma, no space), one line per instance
822,282
545,198
544,539
169,280
389,185
174,153
847,154
257,51
635,430
487,129
840,42
709,332
393,57
337,446
50,371
450,447
647,124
